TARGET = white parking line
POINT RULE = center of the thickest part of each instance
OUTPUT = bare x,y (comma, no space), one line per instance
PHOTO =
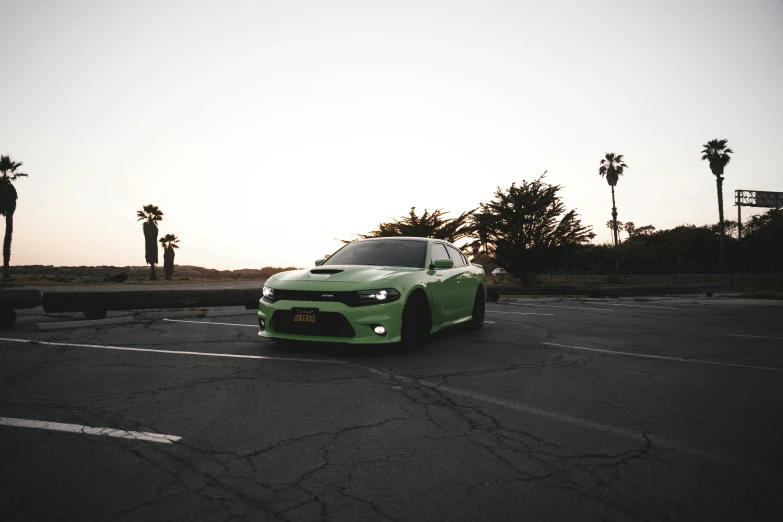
665,358
515,313
489,322
638,436
753,336
566,307
176,352
209,322
87,430
640,306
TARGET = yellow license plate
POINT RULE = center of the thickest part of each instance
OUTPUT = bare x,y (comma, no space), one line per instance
304,316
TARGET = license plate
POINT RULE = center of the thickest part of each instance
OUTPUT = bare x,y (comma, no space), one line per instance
304,315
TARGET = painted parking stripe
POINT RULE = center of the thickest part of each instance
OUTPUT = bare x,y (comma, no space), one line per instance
88,430
516,313
176,352
638,436
665,358
209,322
753,336
490,322
565,307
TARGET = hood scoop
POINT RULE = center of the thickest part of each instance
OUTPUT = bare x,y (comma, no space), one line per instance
325,271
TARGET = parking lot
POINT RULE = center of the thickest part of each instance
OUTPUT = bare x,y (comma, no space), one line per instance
655,409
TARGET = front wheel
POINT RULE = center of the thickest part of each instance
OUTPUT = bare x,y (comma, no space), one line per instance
479,310
416,323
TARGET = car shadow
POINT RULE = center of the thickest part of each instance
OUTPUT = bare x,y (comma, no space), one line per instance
347,351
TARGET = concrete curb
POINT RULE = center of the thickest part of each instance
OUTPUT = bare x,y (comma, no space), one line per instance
84,324
221,313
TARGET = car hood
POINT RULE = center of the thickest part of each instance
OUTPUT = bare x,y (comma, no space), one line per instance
351,274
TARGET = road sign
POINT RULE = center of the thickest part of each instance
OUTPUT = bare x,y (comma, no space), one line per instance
758,198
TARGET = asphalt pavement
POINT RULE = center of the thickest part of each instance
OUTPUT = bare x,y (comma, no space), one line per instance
558,409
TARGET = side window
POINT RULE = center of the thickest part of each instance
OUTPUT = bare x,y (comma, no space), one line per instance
438,252
456,256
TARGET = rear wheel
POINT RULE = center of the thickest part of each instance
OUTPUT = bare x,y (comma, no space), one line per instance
479,310
416,322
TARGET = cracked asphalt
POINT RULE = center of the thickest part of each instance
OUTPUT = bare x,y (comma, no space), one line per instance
659,409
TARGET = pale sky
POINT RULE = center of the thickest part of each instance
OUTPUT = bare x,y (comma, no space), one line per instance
266,131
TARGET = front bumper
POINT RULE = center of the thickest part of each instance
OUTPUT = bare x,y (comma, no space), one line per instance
362,318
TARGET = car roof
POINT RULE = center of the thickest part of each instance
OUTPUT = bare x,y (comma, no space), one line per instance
398,238
408,238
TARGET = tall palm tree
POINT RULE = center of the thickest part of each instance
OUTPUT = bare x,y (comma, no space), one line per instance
150,214
612,167
717,153
8,197
169,243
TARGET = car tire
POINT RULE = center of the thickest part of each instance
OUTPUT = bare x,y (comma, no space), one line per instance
416,323
479,310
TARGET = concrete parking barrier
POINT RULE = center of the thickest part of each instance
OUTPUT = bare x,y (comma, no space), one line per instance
83,324
94,305
15,299
495,291
221,313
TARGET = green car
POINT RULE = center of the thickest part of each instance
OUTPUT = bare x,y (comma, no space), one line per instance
375,291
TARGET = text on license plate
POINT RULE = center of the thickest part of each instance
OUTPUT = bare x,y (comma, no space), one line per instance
300,317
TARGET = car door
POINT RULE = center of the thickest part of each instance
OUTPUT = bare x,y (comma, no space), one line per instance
467,283
444,286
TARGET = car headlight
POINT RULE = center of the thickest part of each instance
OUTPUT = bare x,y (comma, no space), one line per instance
270,294
384,295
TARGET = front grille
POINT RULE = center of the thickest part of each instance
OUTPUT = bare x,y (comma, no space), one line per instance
347,298
328,324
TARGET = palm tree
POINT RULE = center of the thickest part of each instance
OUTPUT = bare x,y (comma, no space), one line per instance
610,226
8,197
612,166
150,214
717,153
169,243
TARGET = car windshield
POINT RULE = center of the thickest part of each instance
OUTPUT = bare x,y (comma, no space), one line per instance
381,253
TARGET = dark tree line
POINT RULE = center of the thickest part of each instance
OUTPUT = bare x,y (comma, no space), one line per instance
692,249
527,229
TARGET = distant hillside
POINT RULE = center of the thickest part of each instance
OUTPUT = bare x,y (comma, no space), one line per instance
136,274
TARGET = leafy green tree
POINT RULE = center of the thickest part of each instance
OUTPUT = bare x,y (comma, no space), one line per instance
528,228
644,231
612,167
433,225
169,243
717,153
150,214
8,197
762,242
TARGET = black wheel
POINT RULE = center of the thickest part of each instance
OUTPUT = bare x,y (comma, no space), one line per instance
7,317
416,323
479,310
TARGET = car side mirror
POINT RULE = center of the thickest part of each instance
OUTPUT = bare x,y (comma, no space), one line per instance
443,263
319,262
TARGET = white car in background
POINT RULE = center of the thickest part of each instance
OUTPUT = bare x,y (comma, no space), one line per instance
499,272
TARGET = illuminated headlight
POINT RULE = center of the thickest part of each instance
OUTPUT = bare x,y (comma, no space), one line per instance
380,330
384,295
270,294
